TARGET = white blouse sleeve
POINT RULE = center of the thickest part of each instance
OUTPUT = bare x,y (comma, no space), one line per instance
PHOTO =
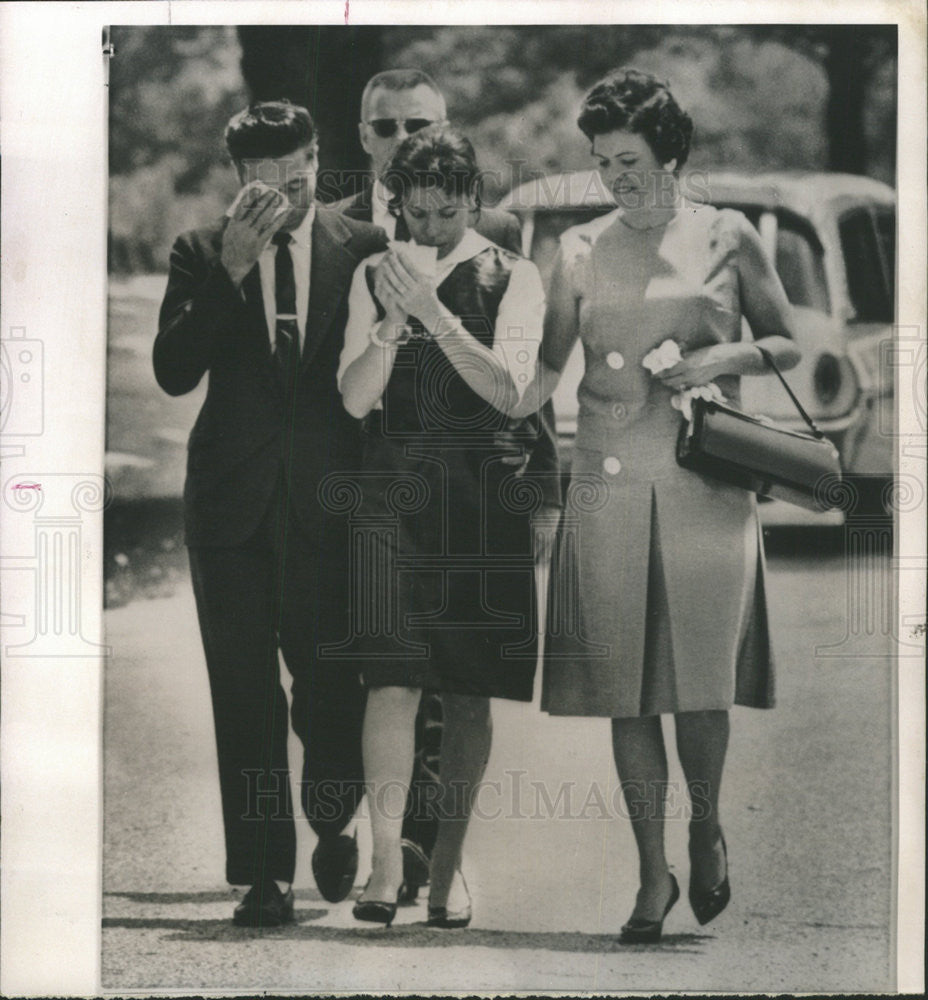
362,317
519,323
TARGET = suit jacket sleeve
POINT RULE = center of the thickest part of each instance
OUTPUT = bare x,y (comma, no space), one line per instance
199,305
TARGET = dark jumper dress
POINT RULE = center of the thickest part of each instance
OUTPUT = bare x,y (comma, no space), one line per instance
452,597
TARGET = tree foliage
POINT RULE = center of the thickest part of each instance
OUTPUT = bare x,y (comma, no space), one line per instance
172,90
762,97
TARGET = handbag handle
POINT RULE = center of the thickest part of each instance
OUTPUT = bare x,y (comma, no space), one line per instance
768,357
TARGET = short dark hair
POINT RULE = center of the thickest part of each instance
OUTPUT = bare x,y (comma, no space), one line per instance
267,130
438,157
398,79
638,102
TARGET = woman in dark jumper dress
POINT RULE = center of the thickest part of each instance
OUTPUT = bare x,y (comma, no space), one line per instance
439,346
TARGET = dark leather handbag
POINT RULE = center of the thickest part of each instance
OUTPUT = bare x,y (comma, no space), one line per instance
754,453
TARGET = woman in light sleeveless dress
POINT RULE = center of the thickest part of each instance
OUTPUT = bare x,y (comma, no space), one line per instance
657,599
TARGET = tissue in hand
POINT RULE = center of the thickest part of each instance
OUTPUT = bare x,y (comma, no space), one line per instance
422,258
253,189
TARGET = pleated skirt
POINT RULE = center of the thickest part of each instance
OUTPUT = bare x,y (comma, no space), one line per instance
657,599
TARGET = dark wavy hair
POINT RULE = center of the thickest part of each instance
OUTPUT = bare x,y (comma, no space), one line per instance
638,102
269,129
438,157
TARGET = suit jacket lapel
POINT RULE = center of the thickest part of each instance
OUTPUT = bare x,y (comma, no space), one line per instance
330,271
361,206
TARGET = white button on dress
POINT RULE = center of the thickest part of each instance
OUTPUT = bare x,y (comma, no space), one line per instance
612,465
615,360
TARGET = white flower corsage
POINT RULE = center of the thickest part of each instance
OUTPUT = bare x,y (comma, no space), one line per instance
665,356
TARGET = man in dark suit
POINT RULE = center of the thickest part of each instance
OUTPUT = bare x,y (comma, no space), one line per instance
259,301
395,104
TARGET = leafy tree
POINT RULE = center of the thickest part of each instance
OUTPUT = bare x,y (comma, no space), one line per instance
816,97
852,56
762,97
172,90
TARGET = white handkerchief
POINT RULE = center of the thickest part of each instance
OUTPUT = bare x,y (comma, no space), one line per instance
683,401
422,258
283,208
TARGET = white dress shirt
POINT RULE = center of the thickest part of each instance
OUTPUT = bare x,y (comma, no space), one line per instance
300,252
516,336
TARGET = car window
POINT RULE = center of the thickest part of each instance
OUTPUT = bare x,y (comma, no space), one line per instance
799,258
865,260
886,232
800,266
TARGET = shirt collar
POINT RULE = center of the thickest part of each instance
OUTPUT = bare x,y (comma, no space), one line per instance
302,235
471,244
379,194
380,201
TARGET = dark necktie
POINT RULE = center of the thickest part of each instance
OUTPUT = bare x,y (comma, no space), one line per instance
402,230
286,331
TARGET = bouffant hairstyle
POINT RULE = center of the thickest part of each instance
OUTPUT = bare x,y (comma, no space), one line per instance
638,102
268,130
438,157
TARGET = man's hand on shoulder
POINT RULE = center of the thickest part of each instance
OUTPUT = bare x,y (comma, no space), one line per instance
259,213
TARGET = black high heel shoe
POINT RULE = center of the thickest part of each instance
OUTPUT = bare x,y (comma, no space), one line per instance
707,904
639,931
376,911
441,916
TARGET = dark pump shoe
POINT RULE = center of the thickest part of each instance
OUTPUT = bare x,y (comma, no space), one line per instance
377,911
408,894
335,865
415,872
707,904
639,931
267,908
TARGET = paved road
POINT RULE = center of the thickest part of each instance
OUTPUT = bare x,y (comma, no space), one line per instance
807,811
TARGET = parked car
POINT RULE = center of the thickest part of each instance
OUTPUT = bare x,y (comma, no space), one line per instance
832,237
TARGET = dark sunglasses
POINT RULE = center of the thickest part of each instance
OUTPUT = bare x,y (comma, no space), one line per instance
385,128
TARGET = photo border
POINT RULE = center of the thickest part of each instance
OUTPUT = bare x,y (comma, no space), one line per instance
54,128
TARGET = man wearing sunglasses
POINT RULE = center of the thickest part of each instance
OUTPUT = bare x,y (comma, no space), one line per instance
394,105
